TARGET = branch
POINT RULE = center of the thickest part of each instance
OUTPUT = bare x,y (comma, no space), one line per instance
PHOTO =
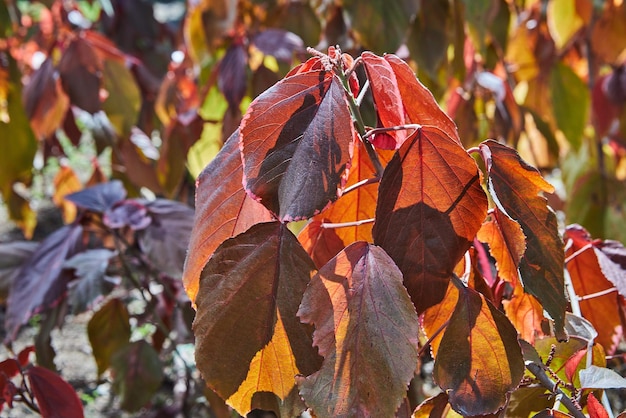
538,371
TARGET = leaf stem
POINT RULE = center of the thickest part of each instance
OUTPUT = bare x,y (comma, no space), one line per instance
537,370
392,128
360,184
598,294
578,252
347,224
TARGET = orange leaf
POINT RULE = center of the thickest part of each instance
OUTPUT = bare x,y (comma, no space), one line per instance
526,314
246,320
223,210
479,360
605,311
66,182
515,187
366,329
430,207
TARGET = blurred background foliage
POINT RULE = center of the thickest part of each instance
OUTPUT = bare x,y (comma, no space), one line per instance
146,91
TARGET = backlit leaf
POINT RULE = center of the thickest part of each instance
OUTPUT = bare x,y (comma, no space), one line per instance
123,100
595,408
435,407
379,25
366,329
65,182
297,136
507,244
587,278
525,313
40,283
570,101
108,331
515,187
137,374
358,205
419,104
237,350
563,21
608,38
430,207
387,99
479,360
223,210
55,397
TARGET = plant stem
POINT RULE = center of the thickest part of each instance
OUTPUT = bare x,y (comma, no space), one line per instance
578,252
537,370
360,184
598,294
347,224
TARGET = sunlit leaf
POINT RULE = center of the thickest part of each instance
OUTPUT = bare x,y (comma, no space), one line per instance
594,377
588,278
237,352
55,397
419,104
137,374
65,182
387,99
479,360
515,187
595,408
44,100
108,331
358,205
40,283
297,136
525,313
570,101
366,329
378,25
223,210
430,207
435,407
563,21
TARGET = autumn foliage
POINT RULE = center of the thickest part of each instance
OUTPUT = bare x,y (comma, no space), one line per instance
351,241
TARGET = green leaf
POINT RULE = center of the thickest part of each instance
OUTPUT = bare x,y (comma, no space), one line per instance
137,374
479,14
366,328
124,98
478,361
563,21
108,331
248,338
431,28
379,25
570,101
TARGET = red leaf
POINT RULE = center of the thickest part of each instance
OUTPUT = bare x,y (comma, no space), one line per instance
366,329
41,283
9,367
320,243
298,136
526,314
515,187
56,398
248,338
223,210
588,277
24,355
478,361
430,207
419,103
232,79
387,99
595,408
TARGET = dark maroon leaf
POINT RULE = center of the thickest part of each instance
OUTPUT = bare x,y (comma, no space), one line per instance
127,213
55,397
12,256
92,282
223,210
99,198
248,337
165,240
80,70
9,367
137,374
278,43
232,78
430,207
40,284
298,136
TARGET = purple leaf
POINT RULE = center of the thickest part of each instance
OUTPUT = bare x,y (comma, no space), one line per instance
165,240
93,283
40,283
612,260
232,79
99,198
128,213
279,43
12,256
